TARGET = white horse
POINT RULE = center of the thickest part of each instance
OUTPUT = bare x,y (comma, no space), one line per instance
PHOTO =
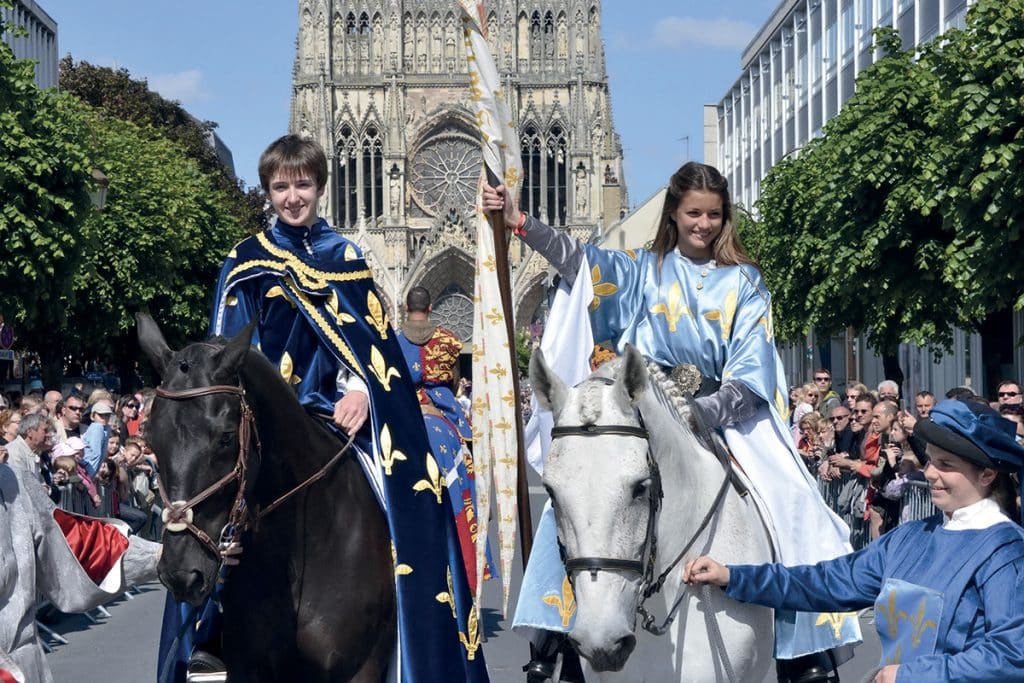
631,498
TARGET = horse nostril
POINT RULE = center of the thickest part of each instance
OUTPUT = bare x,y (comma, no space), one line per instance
626,644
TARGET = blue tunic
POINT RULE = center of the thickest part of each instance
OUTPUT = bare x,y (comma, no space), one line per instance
949,605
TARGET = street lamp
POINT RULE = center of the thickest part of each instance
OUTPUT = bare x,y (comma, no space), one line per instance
98,195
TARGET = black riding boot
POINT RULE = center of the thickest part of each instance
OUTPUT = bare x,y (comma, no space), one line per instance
545,655
204,667
814,668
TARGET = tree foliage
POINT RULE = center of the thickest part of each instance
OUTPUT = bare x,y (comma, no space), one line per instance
44,181
899,221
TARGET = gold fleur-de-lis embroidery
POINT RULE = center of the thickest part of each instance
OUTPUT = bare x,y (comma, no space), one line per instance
478,353
726,315
472,641
479,404
499,371
566,605
378,319
231,300
495,316
380,369
506,492
388,455
896,656
278,291
401,569
835,620
780,404
432,482
511,177
631,253
892,617
769,326
507,461
340,316
673,308
920,625
601,289
504,425
490,264
447,597
350,253
510,399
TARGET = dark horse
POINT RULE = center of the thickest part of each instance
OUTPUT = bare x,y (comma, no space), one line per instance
313,598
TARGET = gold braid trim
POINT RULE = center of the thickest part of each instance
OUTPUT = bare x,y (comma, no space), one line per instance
325,326
310,276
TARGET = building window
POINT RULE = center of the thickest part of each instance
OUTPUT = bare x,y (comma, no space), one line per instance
445,170
556,175
867,20
373,174
346,192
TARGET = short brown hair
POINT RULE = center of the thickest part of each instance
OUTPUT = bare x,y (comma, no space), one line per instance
293,154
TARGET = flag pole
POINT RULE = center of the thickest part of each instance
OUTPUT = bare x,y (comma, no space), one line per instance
497,220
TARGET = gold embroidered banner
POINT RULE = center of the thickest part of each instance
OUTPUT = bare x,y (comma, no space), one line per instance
494,400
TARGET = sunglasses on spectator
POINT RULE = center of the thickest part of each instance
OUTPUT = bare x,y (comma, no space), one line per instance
131,405
1008,394
822,379
837,418
76,409
861,412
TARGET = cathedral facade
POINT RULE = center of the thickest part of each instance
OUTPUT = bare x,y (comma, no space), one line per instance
382,85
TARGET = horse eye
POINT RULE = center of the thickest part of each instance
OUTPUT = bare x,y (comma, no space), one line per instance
183,366
641,488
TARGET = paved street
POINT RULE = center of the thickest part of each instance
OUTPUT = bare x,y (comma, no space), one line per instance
122,649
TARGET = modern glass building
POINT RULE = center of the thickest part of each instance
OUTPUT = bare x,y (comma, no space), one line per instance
796,74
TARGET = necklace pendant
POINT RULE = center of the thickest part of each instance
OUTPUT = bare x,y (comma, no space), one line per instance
700,285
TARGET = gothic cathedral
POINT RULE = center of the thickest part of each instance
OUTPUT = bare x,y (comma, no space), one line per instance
383,86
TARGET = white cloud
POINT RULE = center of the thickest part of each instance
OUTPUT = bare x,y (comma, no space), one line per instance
681,33
184,86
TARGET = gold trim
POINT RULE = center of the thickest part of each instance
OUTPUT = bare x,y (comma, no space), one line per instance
353,363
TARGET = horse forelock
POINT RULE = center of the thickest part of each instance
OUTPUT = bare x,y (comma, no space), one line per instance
590,403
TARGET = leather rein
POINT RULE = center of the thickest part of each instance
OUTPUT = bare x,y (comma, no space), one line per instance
645,565
178,515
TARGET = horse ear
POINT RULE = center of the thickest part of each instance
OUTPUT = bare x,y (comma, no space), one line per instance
151,339
234,351
634,376
548,387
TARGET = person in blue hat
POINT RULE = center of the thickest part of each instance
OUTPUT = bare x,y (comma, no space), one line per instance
948,591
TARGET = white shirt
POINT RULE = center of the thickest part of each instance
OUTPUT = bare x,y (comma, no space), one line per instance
980,515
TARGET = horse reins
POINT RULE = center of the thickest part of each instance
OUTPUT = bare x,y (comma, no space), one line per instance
645,566
178,515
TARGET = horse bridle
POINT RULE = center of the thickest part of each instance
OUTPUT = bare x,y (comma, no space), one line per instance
645,566
178,515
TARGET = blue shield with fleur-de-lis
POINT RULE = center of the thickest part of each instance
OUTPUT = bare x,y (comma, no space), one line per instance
907,618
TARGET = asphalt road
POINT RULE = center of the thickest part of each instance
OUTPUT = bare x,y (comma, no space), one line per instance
122,648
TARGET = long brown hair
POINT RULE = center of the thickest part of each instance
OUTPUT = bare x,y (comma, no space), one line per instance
727,249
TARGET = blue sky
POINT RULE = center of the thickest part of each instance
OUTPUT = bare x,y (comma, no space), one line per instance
230,62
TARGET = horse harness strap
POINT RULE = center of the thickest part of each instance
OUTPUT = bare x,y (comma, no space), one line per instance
178,515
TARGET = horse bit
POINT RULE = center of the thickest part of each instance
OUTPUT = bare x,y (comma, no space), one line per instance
178,515
645,566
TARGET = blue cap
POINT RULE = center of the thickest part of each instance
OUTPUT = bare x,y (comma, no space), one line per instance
975,432
35,384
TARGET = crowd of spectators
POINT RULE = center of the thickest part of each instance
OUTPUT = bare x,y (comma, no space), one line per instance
862,451
87,450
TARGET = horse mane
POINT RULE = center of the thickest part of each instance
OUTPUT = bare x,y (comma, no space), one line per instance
679,403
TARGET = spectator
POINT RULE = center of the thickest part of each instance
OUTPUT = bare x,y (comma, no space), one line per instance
97,434
114,449
9,421
808,402
31,404
75,448
52,402
923,402
852,392
883,513
888,389
1014,413
126,412
829,398
961,394
63,470
70,422
465,398
809,442
796,397
24,451
840,419
1008,393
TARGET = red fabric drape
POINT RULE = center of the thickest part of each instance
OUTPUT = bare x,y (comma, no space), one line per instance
96,545
7,677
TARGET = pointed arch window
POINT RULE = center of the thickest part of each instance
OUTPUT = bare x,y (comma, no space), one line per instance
346,179
530,196
364,23
557,173
350,23
373,174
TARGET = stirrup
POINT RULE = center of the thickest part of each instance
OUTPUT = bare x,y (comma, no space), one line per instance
205,668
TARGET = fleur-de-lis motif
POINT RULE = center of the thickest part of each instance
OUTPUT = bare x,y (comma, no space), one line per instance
389,456
378,319
490,264
350,253
478,353
278,291
566,605
504,425
499,371
231,300
780,404
510,399
507,492
726,315
892,617
495,316
401,569
673,308
432,482
835,620
920,625
380,369
896,656
769,325
601,289
448,597
286,367
340,316
479,405
511,177
472,641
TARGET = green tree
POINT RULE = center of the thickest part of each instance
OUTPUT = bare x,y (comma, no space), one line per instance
44,181
898,220
157,246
